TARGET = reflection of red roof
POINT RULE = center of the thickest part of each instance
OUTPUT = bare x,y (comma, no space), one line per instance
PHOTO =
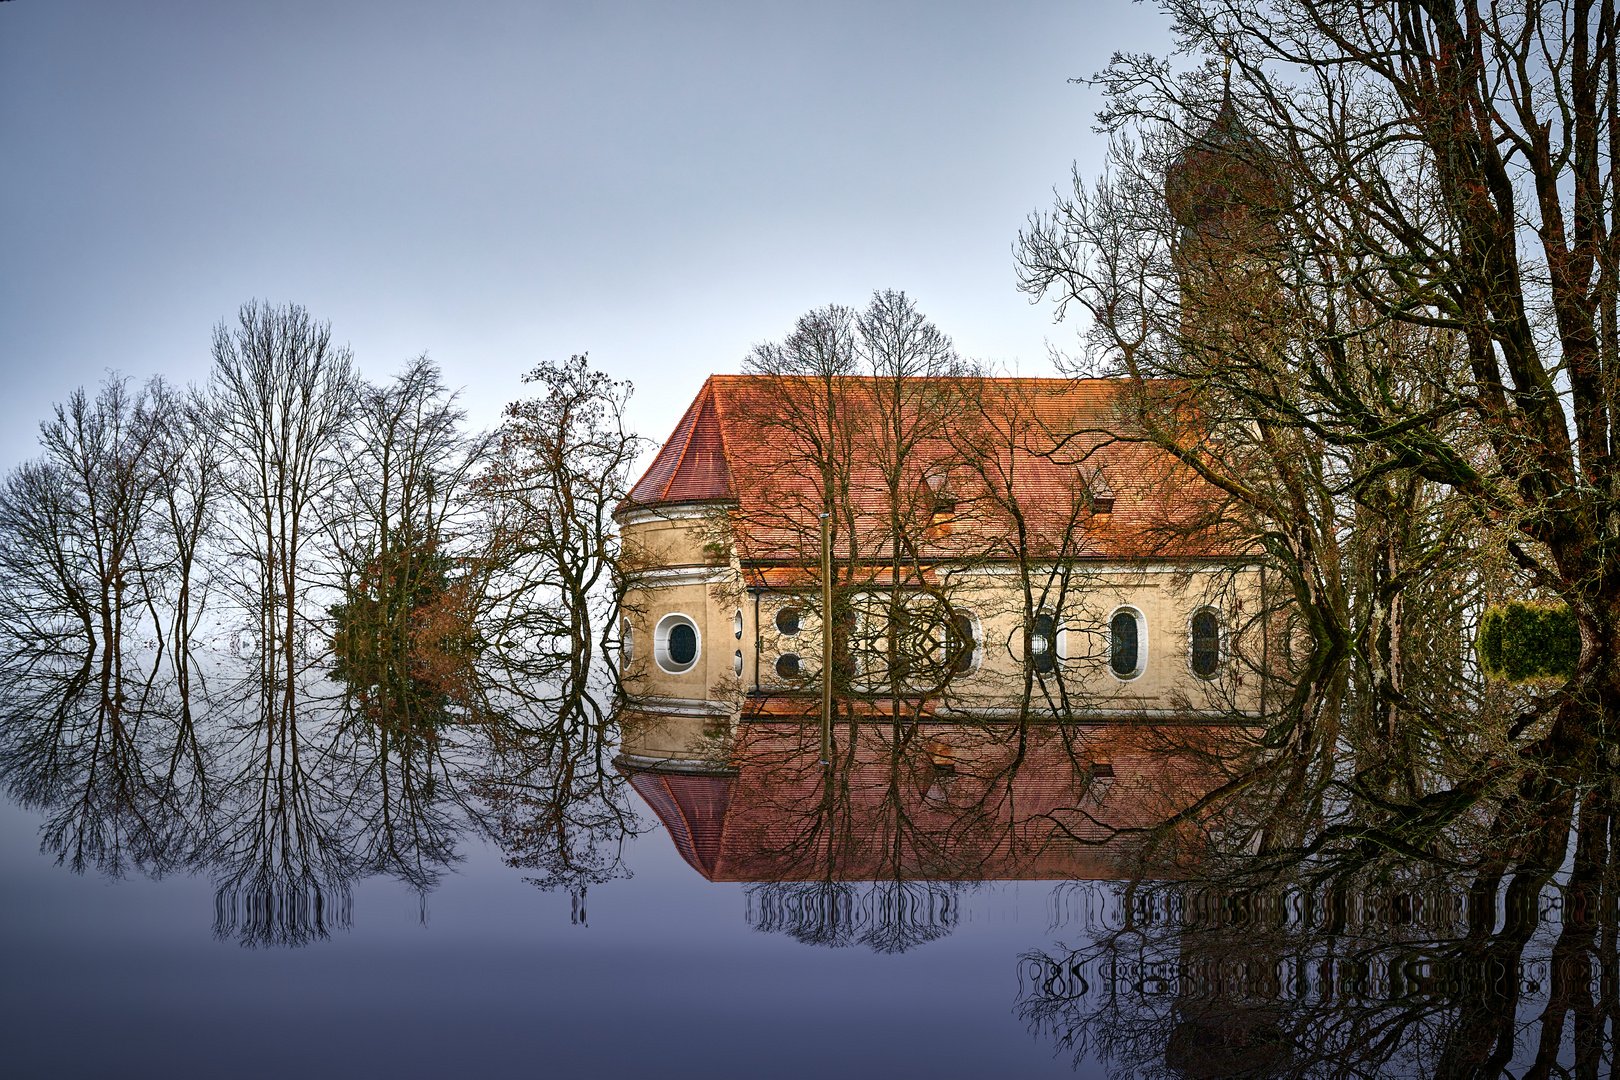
693,809
950,802
1046,445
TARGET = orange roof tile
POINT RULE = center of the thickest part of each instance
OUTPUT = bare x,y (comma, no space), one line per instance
693,809
691,466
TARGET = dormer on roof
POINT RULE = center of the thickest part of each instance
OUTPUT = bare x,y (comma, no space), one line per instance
1098,490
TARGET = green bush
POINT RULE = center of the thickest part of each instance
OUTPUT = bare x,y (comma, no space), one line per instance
1525,642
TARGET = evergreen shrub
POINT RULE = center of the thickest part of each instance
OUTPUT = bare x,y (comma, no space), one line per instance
1521,642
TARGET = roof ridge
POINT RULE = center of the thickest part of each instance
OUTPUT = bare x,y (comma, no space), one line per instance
692,833
718,401
745,376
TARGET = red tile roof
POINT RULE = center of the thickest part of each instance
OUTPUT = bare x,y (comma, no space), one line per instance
691,466
1042,446
693,809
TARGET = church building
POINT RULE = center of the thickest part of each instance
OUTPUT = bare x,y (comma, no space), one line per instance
995,547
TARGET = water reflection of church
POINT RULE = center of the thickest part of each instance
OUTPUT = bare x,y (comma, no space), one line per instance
1039,637
926,799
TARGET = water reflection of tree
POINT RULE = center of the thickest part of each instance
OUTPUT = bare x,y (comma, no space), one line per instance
849,859
889,916
549,795
1442,904
1417,976
283,869
115,766
288,799
396,773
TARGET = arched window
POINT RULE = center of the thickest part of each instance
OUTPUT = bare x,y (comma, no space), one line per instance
675,643
1206,643
787,666
962,641
1125,651
787,621
1043,642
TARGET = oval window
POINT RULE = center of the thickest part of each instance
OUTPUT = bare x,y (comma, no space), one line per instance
675,645
628,637
787,666
1124,651
1206,644
1043,642
737,625
737,664
682,644
787,621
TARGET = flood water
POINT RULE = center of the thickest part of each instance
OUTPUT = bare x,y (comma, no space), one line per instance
229,883
664,976
261,918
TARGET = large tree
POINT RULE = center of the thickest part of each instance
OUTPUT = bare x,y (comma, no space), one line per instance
1403,227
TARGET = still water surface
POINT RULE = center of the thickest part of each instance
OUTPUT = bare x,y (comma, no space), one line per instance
491,976
148,961
328,884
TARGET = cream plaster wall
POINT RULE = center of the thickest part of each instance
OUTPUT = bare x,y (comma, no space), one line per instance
680,576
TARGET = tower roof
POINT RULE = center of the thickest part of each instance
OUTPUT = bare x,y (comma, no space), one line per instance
691,466
693,809
1225,174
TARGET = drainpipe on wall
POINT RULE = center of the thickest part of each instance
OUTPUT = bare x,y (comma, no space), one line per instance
826,641
1265,644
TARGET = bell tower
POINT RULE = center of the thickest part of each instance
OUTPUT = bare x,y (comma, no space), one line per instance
1225,192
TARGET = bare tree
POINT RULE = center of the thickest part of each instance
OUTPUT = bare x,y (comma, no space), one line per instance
852,407
559,468
76,523
406,472
1431,225
47,588
282,395
911,399
188,497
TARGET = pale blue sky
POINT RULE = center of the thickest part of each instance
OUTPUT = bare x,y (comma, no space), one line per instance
495,182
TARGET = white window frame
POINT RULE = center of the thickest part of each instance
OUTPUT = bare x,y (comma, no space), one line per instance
977,629
661,643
